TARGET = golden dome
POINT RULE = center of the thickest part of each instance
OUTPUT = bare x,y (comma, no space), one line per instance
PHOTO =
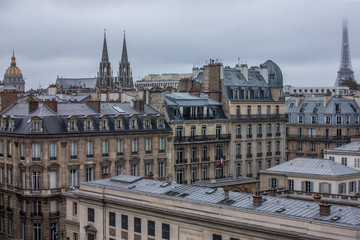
13,70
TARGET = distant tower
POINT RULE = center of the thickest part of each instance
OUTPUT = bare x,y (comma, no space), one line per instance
125,75
105,78
345,70
13,76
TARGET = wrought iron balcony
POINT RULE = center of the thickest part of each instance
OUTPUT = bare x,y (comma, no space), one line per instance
181,161
277,117
194,160
317,137
190,139
205,159
277,153
259,154
54,214
259,135
36,214
238,156
249,155
278,134
268,153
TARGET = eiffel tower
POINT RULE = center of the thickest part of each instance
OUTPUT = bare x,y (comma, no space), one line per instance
345,70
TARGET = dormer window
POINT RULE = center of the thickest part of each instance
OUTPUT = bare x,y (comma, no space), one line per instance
118,124
147,123
2,124
161,123
36,127
11,124
104,124
88,123
72,126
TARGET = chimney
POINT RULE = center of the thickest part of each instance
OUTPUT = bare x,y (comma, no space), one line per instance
51,104
324,208
33,105
327,97
195,93
139,105
244,71
7,99
317,197
257,199
226,192
298,99
151,175
272,192
95,104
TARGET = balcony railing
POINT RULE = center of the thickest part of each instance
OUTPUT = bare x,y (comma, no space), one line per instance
238,156
54,214
37,214
278,134
89,155
22,213
180,161
318,138
249,136
205,159
182,181
259,154
269,134
194,160
259,135
182,139
239,136
249,155
259,117
268,153
277,153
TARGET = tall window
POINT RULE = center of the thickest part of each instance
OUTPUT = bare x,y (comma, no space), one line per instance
259,130
134,169
36,208
238,170
36,151
134,146
204,153
52,150
238,131
9,175
36,180
9,150
219,151
218,131
291,184
91,215
248,110
89,174
344,161
119,169
124,222
89,149
165,231
148,169
1,148
161,169
37,231
161,144
259,110
219,171
180,175
249,149
105,148
120,147
112,219
203,130
268,110
238,151
151,228
73,178
2,176
249,131
137,225
22,151
204,172
73,150
147,145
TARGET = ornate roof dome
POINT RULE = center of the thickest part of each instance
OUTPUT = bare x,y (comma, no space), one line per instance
13,70
13,76
275,74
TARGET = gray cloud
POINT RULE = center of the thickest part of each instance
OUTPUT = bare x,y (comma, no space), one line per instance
65,37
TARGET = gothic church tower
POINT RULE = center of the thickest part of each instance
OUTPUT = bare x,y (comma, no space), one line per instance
105,78
125,74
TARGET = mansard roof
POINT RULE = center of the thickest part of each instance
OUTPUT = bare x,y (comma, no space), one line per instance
313,166
57,122
315,105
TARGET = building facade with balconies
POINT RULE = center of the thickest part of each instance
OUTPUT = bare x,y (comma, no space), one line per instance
318,123
201,137
47,148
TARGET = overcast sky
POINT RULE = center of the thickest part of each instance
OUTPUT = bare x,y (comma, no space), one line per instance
65,38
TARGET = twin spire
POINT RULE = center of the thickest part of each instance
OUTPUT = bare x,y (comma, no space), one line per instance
105,78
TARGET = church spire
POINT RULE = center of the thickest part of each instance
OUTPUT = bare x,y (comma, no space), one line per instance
124,56
105,78
105,56
13,59
345,69
125,79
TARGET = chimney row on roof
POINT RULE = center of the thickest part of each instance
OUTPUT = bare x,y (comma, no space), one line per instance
139,105
51,104
95,104
257,199
226,192
33,105
324,208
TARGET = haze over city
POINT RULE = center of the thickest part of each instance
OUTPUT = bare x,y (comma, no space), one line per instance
65,38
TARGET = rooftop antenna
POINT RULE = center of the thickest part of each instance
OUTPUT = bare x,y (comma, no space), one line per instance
238,60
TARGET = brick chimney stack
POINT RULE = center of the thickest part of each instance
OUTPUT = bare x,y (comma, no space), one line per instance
139,105
95,104
324,208
33,105
272,192
257,199
317,198
51,104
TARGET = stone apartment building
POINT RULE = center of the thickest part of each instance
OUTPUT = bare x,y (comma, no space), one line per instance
47,148
130,207
318,123
253,101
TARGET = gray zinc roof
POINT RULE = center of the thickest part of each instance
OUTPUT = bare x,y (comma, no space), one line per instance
348,216
352,147
316,166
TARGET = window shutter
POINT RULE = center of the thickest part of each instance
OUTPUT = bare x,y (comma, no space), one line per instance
269,183
330,188
344,188
311,187
302,186
277,183
320,187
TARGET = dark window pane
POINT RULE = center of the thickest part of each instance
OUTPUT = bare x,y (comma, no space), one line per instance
217,237
91,215
112,221
165,231
124,222
151,228
137,225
